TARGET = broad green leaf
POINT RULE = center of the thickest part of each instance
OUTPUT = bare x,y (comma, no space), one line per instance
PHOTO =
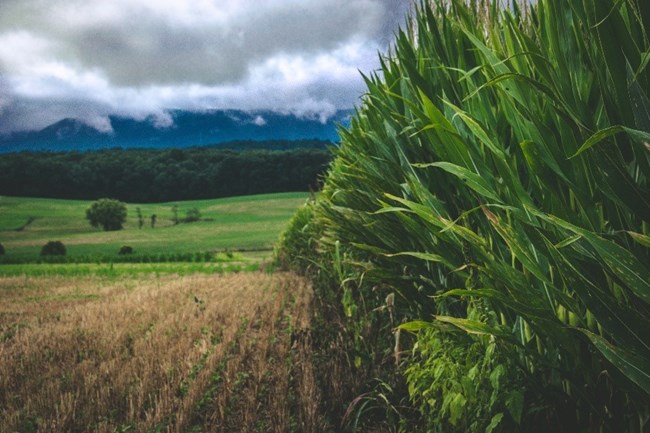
515,404
457,408
494,422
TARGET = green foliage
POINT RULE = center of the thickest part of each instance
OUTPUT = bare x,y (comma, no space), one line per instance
296,247
107,213
501,159
192,215
250,223
150,176
53,248
2,250
466,383
121,269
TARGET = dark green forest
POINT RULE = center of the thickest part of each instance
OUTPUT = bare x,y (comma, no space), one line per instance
147,176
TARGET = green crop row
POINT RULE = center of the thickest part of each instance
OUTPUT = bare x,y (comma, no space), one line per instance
492,195
198,257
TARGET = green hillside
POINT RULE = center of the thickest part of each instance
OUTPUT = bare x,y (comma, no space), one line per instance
249,222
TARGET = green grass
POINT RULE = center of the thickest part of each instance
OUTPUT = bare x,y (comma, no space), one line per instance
237,223
117,270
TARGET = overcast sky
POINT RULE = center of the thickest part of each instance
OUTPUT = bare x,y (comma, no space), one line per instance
91,58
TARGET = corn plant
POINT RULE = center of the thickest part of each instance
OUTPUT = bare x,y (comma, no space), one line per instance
500,161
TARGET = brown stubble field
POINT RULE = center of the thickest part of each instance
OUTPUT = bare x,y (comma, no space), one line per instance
153,353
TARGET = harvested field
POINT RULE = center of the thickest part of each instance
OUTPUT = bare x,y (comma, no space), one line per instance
156,354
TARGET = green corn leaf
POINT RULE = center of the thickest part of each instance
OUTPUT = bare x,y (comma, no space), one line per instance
414,326
568,241
603,134
474,327
636,368
620,321
619,260
473,180
531,311
478,131
640,101
422,256
640,239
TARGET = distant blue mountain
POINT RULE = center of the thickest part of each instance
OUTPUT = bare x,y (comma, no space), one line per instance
189,129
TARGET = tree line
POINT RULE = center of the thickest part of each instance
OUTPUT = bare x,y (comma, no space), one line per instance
160,175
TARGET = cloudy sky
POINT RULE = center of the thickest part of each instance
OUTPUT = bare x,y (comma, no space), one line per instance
91,58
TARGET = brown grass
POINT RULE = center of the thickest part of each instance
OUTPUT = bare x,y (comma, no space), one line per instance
141,354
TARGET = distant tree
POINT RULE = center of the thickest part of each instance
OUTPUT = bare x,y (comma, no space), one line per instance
53,248
175,214
192,215
2,250
108,213
153,220
140,217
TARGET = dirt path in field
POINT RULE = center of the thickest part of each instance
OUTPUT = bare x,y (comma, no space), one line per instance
193,353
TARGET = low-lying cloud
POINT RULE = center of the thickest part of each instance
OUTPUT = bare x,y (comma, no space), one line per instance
91,58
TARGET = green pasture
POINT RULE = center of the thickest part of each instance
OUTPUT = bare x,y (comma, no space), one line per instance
117,270
236,223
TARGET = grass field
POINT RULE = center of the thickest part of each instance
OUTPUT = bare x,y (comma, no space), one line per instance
153,353
250,222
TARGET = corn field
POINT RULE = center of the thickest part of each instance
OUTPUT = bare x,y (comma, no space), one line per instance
493,185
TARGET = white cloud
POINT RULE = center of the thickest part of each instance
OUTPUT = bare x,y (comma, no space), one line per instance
100,123
92,58
259,121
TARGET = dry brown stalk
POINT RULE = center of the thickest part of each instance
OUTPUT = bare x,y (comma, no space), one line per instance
170,353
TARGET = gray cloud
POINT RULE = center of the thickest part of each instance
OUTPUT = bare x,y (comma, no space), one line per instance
91,58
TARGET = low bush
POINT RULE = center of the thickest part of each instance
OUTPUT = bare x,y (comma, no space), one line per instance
125,250
53,248
192,215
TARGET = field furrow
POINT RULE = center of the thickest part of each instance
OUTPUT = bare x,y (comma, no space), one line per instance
152,354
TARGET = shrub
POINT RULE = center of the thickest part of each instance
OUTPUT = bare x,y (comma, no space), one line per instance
107,213
192,215
53,248
125,250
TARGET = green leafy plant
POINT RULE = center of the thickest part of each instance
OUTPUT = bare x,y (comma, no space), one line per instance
107,213
192,215
495,179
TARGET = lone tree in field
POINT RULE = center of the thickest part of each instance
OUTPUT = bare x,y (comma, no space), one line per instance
53,248
107,213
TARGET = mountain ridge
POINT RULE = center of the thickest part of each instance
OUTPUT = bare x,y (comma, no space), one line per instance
180,129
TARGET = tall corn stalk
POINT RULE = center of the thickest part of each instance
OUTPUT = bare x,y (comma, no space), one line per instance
501,158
